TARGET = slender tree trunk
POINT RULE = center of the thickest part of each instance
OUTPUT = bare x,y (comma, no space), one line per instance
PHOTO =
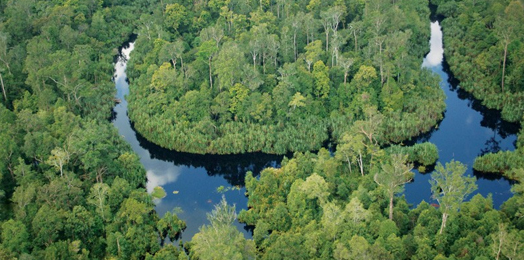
381,65
264,62
9,167
444,220
504,65
254,62
173,61
499,249
356,43
349,163
336,56
333,57
361,163
307,37
327,40
391,207
210,76
3,88
118,245
295,45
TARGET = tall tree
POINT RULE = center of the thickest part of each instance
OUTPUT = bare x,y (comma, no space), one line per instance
215,33
175,15
355,28
321,76
172,52
206,52
393,175
313,53
345,63
4,40
59,158
450,188
508,27
98,198
221,239
351,148
229,64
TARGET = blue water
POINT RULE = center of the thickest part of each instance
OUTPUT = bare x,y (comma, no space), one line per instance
467,130
194,178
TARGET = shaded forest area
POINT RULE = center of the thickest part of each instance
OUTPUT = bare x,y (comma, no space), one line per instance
205,73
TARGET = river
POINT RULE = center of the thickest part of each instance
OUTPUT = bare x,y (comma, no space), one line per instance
191,181
194,178
467,130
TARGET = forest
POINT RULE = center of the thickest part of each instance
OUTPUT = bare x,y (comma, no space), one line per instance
237,76
71,187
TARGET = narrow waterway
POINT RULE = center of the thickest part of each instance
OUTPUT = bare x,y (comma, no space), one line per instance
467,131
190,181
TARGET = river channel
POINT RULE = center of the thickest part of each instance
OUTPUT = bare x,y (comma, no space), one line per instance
468,130
191,181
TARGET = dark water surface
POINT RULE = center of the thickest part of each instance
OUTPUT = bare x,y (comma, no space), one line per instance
467,130
195,178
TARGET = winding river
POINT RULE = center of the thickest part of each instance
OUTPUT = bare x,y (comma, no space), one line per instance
467,131
191,181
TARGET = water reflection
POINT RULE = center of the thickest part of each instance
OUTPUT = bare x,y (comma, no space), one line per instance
436,54
230,167
467,130
190,181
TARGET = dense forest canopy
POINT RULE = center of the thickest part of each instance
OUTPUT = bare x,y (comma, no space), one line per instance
235,76
71,188
245,76
313,208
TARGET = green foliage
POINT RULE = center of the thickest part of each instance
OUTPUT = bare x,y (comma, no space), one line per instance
501,162
158,192
319,223
485,46
170,226
392,176
221,240
450,188
175,16
424,153
485,54
15,237
168,252
68,180
234,77
262,76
